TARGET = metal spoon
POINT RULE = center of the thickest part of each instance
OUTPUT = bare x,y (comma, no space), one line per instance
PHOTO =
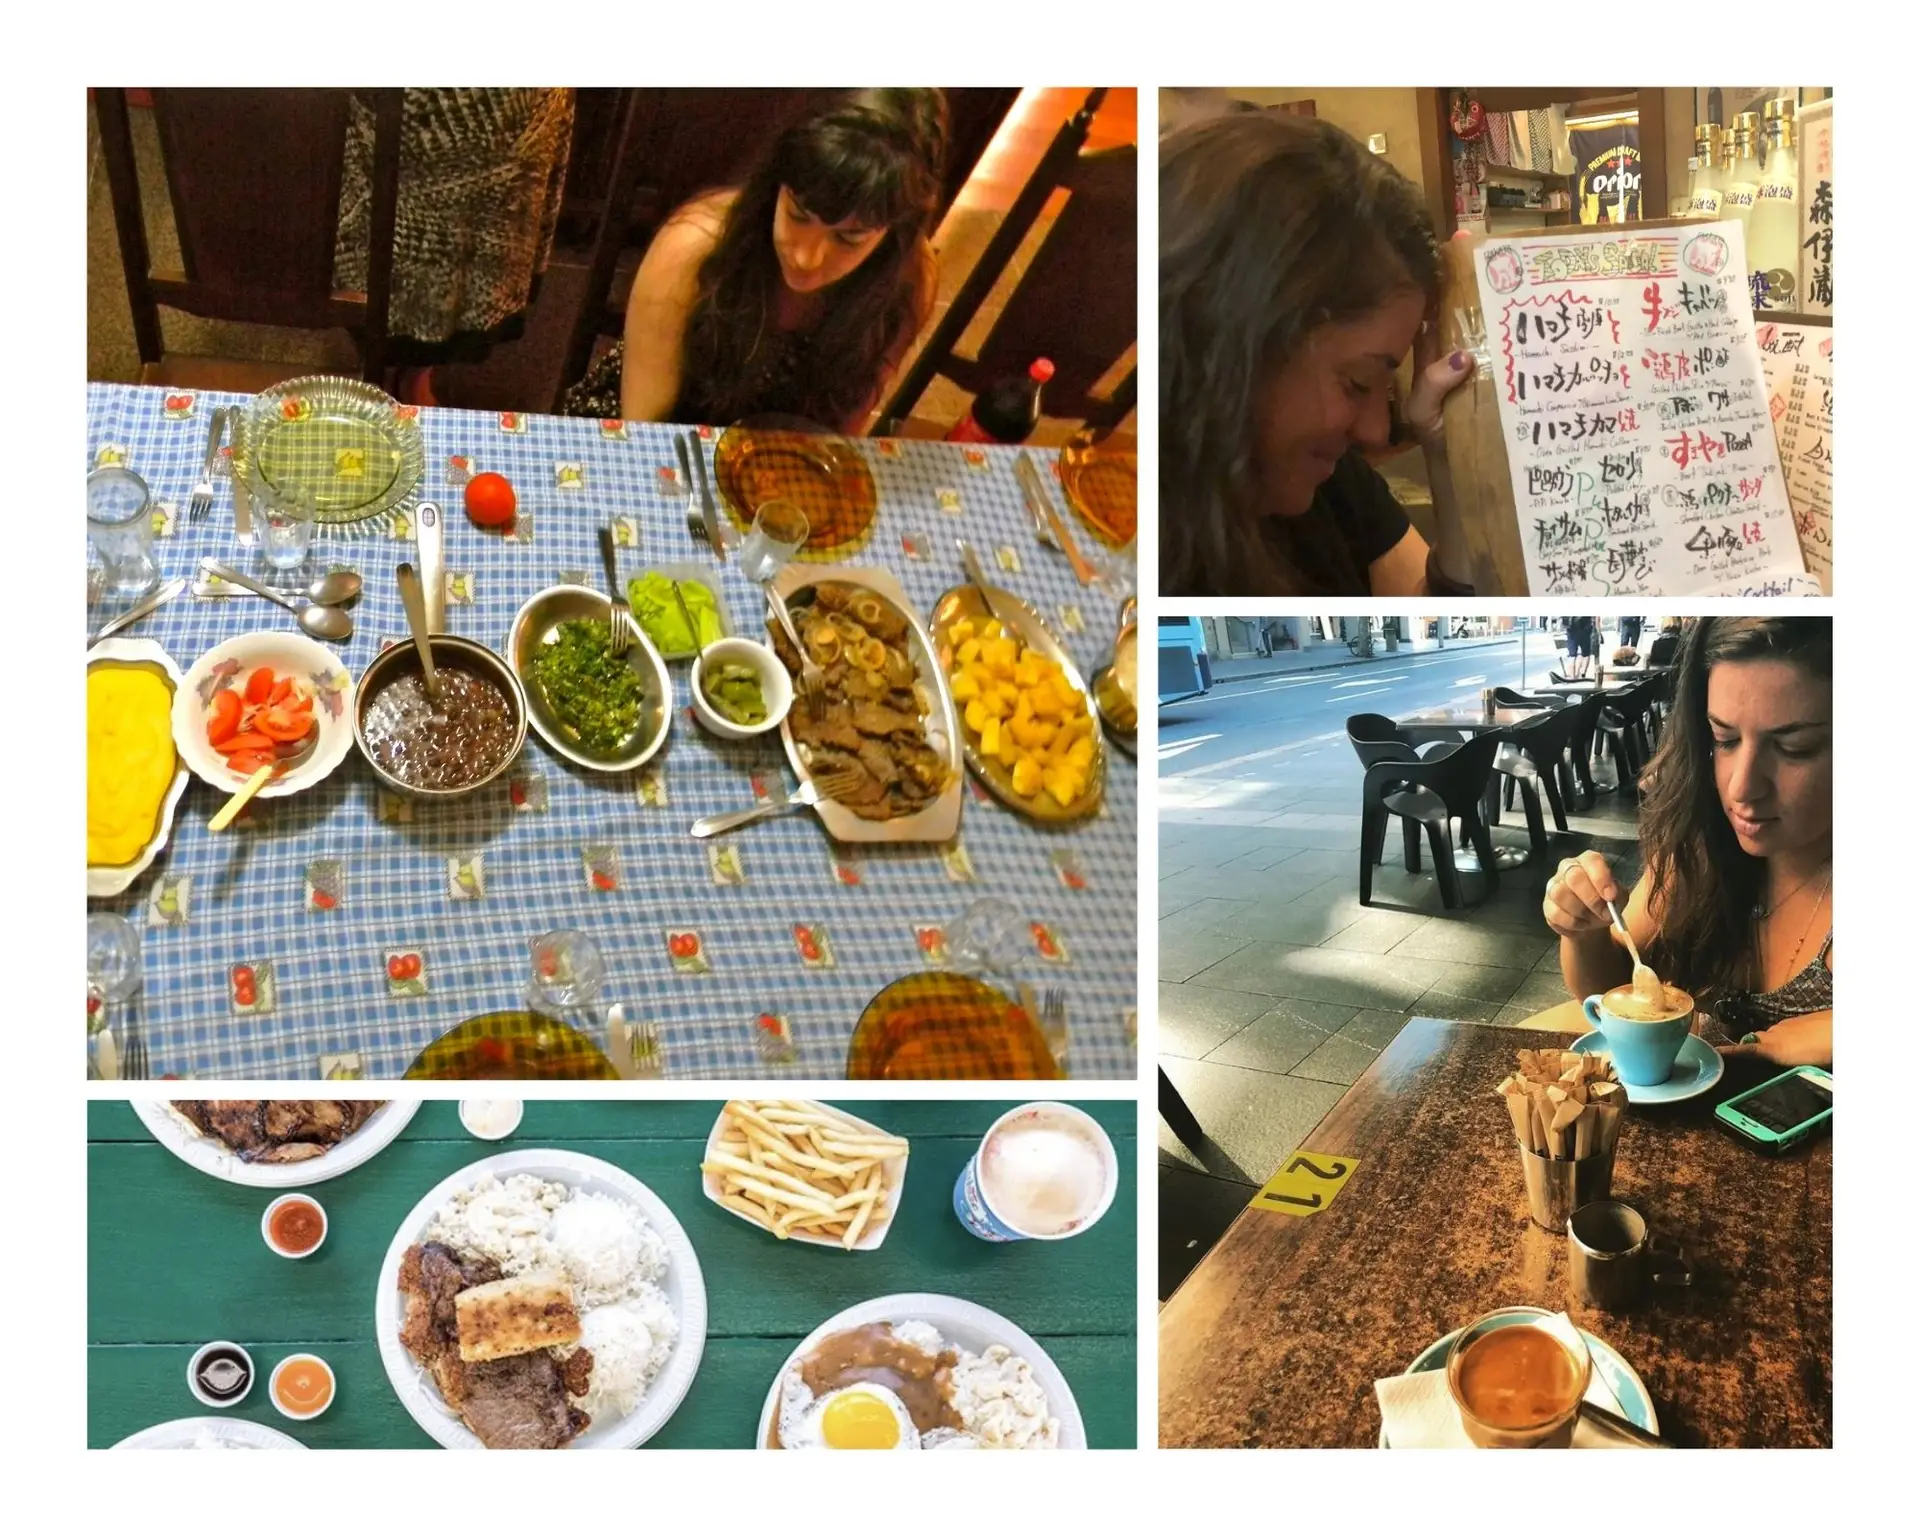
416,605
1646,980
335,589
317,619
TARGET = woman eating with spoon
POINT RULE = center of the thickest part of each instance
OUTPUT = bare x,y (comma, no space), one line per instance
1737,821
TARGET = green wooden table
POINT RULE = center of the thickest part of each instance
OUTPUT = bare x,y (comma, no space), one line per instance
174,1258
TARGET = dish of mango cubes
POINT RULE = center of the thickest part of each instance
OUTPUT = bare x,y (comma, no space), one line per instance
1029,732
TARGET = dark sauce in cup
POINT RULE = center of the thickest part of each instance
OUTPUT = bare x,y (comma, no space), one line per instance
225,1375
459,744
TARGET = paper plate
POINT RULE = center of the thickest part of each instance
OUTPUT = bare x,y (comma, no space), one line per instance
685,1289
1697,1068
893,1178
234,1434
971,1326
185,1141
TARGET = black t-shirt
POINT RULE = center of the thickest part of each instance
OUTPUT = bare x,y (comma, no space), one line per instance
1353,521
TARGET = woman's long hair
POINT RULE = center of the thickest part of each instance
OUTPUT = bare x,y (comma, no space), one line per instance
1707,886
1271,225
878,156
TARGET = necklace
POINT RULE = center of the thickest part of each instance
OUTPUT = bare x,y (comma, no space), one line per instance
1793,965
1765,908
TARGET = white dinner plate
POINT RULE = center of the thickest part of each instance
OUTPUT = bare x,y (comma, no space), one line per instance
184,1140
686,1291
971,1326
183,1435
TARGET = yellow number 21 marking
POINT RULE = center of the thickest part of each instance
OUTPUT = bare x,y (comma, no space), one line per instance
1306,1182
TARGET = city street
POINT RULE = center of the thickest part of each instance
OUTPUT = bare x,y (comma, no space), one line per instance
1277,987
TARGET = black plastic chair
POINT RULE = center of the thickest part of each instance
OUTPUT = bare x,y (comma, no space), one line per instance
1622,725
1586,721
1532,759
1429,794
1180,1120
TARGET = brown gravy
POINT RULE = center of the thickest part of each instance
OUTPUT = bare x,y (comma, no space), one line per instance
871,1353
1518,1377
472,736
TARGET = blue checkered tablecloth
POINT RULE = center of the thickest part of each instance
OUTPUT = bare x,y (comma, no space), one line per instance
210,903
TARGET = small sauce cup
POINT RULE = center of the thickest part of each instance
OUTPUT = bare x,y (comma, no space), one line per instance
491,1119
294,1226
302,1387
220,1374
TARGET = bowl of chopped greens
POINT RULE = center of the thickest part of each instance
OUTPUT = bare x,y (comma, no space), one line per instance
605,712
740,689
680,608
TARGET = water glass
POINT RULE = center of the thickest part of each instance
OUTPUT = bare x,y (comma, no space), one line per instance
567,969
120,523
113,959
286,524
779,529
987,937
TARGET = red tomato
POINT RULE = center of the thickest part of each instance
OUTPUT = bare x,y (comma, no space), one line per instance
397,967
260,685
223,720
681,945
602,881
490,500
283,724
243,976
323,901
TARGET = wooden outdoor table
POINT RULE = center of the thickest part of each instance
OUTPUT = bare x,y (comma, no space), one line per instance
1277,1337
1474,722
175,1259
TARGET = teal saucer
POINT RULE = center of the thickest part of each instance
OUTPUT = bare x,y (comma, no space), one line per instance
1697,1068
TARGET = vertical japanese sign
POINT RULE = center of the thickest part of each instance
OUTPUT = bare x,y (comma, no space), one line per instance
1634,410
1799,365
1815,127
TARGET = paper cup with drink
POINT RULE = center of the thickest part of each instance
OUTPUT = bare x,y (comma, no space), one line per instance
1042,1172
1644,1027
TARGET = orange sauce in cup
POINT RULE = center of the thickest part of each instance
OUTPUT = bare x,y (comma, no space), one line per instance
303,1385
297,1226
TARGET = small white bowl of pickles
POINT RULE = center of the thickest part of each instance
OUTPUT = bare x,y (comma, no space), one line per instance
740,689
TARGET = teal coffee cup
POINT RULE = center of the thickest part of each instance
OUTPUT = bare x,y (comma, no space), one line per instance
1644,1049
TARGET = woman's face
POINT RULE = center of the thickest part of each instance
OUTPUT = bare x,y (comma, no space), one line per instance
1330,397
1772,725
814,254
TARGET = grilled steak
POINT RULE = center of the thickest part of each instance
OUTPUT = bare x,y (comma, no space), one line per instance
520,1403
278,1130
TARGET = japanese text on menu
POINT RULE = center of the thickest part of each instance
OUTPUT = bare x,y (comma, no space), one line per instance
1635,413
1799,364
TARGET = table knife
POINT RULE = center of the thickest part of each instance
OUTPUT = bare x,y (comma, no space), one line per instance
716,528
970,563
139,610
1041,507
430,539
236,465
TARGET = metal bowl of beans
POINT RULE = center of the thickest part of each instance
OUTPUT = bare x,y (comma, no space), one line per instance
468,742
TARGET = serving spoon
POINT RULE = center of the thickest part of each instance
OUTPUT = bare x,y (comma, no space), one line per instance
414,600
320,620
224,817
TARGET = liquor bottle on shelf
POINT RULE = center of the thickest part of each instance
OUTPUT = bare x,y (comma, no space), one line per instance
1707,183
1007,411
1773,233
1744,171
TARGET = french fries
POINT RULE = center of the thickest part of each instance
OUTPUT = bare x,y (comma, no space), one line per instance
792,1166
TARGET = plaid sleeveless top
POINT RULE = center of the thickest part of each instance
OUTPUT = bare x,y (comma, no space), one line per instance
1811,991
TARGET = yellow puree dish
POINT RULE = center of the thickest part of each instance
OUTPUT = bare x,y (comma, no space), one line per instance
130,760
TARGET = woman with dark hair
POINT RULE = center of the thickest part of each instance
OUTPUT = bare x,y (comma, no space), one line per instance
797,292
1735,905
1297,270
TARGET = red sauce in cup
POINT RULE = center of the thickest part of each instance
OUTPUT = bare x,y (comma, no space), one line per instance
297,1226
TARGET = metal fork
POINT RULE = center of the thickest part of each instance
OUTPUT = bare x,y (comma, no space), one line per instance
202,502
813,682
1053,1024
830,785
133,1050
696,524
624,628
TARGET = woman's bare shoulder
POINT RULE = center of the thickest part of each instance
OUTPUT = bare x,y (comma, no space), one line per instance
692,230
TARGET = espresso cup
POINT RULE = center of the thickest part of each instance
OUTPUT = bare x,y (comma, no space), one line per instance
1612,1260
1643,1050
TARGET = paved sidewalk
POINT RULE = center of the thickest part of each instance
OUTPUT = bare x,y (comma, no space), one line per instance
1325,654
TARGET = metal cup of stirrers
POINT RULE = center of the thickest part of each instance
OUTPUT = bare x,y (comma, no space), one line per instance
1566,1109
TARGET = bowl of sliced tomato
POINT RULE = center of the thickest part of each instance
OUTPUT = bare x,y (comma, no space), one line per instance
261,700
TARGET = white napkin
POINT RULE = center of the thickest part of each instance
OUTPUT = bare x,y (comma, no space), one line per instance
1419,1414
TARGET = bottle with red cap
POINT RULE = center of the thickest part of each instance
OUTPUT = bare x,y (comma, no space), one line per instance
1007,412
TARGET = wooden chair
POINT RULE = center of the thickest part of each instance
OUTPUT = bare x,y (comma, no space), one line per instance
254,179
1076,305
672,144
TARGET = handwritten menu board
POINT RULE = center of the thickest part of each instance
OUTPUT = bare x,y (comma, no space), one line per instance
1799,365
1634,412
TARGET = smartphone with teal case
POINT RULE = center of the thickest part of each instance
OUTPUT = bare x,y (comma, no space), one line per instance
1783,1111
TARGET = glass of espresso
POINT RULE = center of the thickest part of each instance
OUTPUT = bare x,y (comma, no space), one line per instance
1517,1377
1643,1033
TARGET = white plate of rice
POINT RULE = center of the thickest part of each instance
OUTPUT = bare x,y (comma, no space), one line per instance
196,1149
210,1434
495,1221
964,1324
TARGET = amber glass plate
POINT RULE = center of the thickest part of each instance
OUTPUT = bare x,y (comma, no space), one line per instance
944,1025
1102,485
785,458
513,1044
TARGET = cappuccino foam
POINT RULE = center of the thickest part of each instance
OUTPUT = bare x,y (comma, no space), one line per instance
1627,1003
1044,1175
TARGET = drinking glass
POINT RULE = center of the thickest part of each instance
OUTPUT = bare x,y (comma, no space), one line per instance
779,529
986,937
120,523
286,524
1554,1432
567,968
113,965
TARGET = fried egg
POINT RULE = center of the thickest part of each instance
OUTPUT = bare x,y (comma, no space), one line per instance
862,1417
